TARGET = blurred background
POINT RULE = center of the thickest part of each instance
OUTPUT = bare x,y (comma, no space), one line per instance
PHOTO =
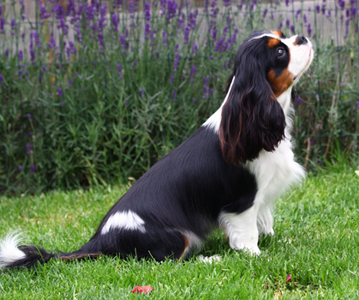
95,92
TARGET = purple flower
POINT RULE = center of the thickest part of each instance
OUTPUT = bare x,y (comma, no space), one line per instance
102,23
63,26
194,48
58,11
353,11
186,34
292,29
147,30
211,92
205,87
147,11
164,37
305,18
115,21
31,50
43,13
264,13
214,34
21,57
215,11
309,30
171,79
1,79
357,104
174,94
206,81
28,148
20,167
123,43
100,40
29,117
193,71
103,10
323,9
33,168
329,14
280,25
141,92
175,64
171,9
52,44
2,25
60,92
219,44
70,83
132,9
78,33
299,101
71,49
192,19
119,71
226,2
342,4
317,8
13,25
287,22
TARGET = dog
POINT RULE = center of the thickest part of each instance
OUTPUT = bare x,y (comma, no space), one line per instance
227,173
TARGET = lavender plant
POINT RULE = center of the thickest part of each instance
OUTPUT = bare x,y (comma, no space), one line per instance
95,91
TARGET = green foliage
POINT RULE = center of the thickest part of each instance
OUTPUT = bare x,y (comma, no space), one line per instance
315,241
95,95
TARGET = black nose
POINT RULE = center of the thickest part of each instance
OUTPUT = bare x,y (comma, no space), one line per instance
301,40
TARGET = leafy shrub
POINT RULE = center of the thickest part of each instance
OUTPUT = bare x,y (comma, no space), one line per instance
93,92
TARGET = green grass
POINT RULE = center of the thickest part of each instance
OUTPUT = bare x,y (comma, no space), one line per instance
315,241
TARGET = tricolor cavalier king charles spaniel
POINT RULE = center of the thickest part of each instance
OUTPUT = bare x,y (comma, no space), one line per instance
228,173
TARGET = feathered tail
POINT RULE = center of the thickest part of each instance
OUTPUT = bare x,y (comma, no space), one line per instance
13,255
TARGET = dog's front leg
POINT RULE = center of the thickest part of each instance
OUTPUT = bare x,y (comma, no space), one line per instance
241,229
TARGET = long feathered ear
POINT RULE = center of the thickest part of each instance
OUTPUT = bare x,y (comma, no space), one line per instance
252,119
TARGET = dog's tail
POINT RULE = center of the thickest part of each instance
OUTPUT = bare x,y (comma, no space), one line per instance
13,255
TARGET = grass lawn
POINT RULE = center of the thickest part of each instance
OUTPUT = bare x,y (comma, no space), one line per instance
316,241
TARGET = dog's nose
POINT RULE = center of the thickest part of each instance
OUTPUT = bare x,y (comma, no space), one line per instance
301,39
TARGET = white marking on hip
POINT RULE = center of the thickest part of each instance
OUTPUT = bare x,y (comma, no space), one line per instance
124,220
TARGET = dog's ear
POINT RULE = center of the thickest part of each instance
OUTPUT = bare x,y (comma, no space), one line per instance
252,119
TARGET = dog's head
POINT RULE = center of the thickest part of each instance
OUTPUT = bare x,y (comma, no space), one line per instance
266,67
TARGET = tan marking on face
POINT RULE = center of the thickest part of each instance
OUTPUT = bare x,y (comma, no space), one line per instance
295,41
282,82
273,42
278,33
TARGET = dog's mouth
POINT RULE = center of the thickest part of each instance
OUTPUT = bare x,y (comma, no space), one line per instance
310,59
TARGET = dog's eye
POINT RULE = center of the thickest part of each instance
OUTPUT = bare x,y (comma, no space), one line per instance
280,52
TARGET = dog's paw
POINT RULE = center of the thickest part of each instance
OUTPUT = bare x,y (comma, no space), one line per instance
246,247
209,259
